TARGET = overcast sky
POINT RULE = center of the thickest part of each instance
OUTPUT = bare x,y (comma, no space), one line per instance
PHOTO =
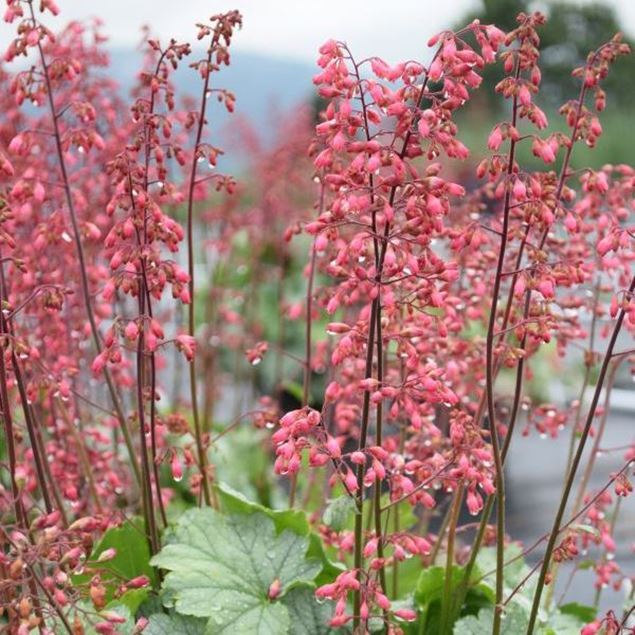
394,29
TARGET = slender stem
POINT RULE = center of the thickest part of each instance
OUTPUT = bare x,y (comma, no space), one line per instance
586,475
588,365
359,498
51,599
30,425
153,439
81,257
378,443
20,513
447,602
148,505
37,457
574,468
308,349
82,454
47,468
489,368
198,435
616,513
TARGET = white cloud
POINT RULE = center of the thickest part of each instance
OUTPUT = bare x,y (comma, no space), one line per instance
395,29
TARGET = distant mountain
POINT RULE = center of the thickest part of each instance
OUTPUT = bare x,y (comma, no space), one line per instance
262,84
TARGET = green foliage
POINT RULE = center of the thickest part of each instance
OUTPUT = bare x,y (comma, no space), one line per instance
132,559
308,617
221,567
516,618
513,574
514,621
175,624
573,29
339,512
429,595
565,620
235,502
251,478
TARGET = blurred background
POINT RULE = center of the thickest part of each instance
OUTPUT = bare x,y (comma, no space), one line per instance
273,61
274,54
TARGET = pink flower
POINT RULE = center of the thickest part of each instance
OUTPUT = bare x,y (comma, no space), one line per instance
187,345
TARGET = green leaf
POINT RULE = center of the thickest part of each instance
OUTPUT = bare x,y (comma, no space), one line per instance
562,624
430,591
132,559
408,572
221,567
513,573
162,624
430,585
133,599
308,616
586,614
338,512
515,620
295,389
330,570
587,529
252,478
88,617
233,502
294,520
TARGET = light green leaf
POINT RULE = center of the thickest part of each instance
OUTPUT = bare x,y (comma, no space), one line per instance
234,502
221,567
513,573
338,511
515,620
162,624
308,616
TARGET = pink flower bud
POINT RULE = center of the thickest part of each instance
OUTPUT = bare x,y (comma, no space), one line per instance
274,589
407,615
131,331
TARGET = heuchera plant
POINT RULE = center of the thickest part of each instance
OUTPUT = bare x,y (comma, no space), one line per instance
389,314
